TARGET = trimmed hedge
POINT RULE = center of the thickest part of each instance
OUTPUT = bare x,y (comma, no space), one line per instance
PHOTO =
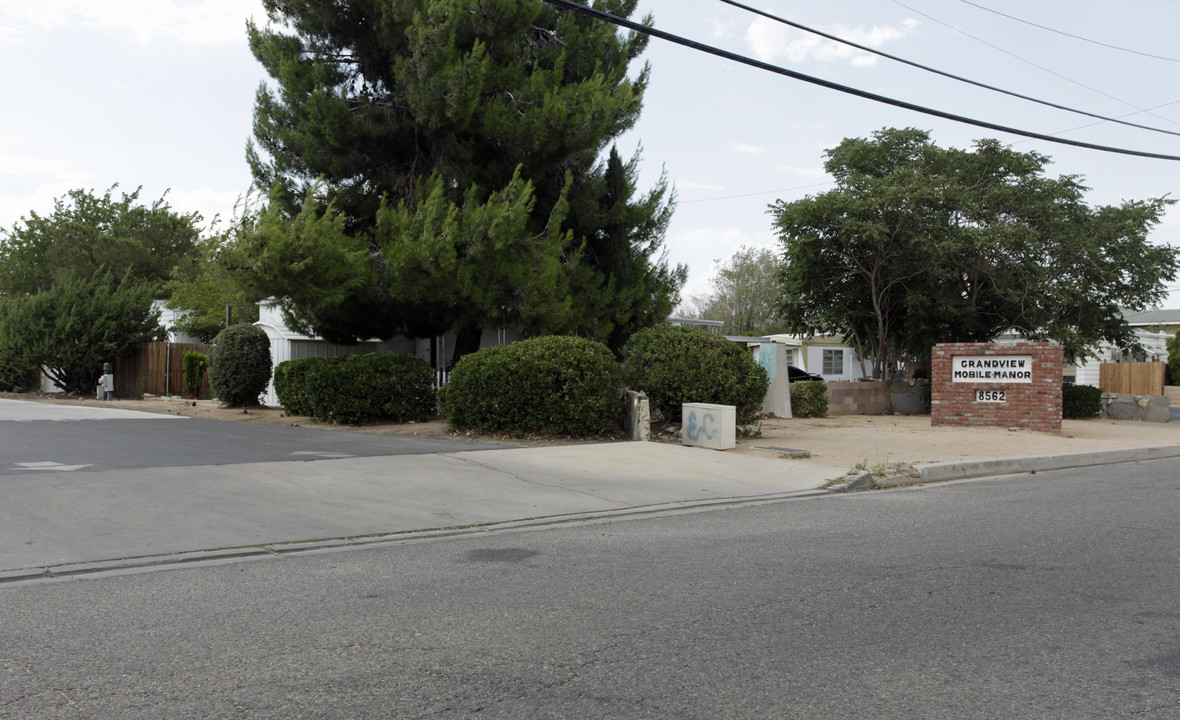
356,389
239,365
675,365
293,385
1080,401
195,365
809,398
551,385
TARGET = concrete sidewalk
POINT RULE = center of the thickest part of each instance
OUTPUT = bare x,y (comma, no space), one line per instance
59,524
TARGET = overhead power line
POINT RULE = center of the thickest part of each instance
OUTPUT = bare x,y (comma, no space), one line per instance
669,37
936,71
755,194
1042,68
1065,34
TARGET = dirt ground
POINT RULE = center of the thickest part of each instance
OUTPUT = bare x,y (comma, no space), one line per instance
845,441
874,440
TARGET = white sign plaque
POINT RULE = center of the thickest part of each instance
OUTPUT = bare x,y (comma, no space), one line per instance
992,368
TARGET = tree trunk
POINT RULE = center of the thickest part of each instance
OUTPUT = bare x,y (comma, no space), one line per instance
466,341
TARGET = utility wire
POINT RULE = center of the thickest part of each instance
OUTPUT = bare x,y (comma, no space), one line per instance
1026,61
1090,125
936,71
669,37
755,194
1068,35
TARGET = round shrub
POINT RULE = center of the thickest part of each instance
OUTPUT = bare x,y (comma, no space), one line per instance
552,385
809,398
239,365
1080,401
675,365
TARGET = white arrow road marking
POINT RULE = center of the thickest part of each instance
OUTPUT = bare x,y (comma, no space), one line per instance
322,454
58,467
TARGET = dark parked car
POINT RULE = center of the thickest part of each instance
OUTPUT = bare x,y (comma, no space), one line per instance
794,374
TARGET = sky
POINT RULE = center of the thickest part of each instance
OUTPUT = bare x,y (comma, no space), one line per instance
158,94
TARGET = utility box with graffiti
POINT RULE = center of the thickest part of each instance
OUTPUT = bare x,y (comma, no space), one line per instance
709,426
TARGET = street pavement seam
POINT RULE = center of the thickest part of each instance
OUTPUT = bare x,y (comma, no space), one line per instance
152,563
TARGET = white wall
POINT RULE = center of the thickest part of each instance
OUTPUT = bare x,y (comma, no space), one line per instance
850,367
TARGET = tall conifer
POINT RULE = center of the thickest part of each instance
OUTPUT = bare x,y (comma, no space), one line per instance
459,143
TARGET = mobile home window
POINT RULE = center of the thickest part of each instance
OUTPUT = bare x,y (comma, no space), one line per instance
833,362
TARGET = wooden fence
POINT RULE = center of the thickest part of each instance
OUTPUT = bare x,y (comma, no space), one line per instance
1137,378
158,369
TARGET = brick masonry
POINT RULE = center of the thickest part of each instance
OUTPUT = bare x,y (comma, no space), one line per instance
1028,406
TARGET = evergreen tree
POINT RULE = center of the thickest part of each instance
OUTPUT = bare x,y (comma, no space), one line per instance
451,148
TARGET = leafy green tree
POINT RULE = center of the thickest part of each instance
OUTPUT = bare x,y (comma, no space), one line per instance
745,293
78,323
472,129
202,294
86,232
919,245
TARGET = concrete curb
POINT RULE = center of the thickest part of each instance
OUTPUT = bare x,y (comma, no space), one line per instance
959,470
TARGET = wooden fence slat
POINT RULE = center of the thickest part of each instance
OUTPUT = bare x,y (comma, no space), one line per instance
1140,378
144,372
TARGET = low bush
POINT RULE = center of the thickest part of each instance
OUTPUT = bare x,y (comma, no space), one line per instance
1080,401
239,365
809,399
551,385
356,389
675,365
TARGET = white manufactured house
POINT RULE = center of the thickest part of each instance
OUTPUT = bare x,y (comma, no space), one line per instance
826,356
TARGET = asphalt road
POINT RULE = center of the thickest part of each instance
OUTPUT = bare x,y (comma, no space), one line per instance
91,445
1053,595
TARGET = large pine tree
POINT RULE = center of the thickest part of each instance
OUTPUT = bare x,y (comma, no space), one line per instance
438,164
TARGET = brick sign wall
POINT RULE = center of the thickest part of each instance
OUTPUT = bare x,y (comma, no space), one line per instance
1015,386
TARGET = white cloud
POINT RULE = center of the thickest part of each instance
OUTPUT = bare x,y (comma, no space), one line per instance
29,166
750,149
719,29
200,22
771,41
11,35
816,172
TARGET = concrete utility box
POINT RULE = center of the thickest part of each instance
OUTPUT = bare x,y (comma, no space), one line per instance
709,426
